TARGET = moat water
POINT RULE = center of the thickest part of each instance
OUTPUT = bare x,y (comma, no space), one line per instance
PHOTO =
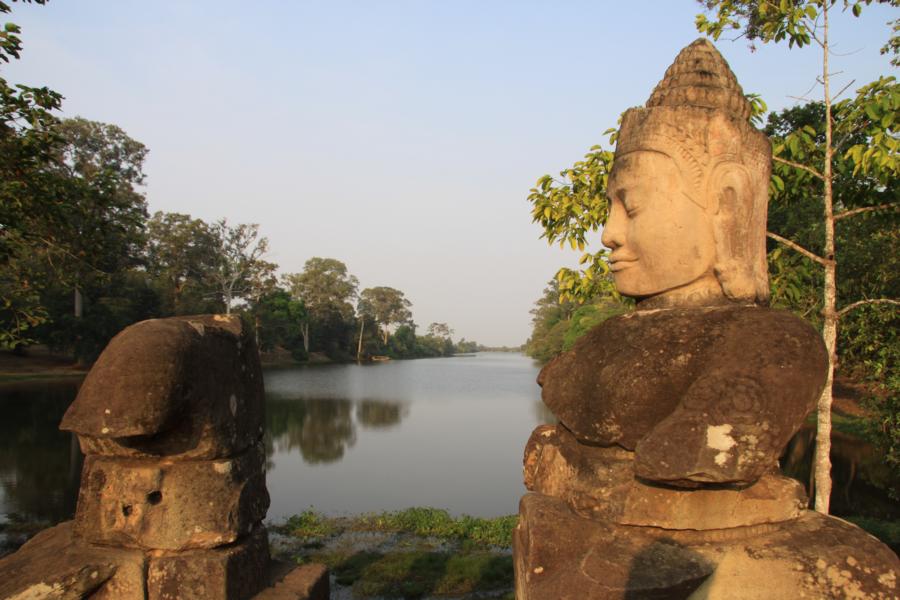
343,439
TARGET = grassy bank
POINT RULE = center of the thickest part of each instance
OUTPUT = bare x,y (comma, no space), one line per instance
414,553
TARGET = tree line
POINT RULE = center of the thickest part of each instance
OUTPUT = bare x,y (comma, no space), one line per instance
81,257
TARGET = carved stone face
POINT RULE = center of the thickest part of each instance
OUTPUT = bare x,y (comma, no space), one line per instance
661,240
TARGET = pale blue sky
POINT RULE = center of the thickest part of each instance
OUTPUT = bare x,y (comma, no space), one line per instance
399,137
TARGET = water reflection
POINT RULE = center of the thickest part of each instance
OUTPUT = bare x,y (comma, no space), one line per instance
378,414
40,466
858,472
319,428
349,438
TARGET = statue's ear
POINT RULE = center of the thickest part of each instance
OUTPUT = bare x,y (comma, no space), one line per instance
730,194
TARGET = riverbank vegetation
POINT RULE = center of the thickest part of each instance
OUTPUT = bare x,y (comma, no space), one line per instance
81,257
411,553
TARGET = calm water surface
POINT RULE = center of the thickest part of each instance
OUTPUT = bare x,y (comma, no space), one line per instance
341,438
443,432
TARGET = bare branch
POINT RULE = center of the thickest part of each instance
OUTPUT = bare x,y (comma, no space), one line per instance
803,97
859,303
865,209
796,165
799,248
843,89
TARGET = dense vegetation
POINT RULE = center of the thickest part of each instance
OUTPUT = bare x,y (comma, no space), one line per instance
81,257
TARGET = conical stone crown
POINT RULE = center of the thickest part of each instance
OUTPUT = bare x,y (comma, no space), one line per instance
701,77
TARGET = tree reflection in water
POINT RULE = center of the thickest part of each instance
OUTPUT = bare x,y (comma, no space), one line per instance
323,428
40,466
378,414
858,470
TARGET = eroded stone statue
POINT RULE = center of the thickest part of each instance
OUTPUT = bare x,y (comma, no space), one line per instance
173,490
661,478
703,383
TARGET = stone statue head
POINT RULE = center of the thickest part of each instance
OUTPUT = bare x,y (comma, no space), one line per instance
689,190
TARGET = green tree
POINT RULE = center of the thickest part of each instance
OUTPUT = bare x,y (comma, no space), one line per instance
558,320
27,190
798,157
327,290
181,252
105,214
239,271
279,317
386,306
571,207
549,322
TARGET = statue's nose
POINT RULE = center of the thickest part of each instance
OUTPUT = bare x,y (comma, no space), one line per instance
614,230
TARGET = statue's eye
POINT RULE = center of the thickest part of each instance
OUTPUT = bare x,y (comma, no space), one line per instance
627,202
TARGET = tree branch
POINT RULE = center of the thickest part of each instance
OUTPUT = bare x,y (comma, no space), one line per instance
791,163
858,303
799,248
856,211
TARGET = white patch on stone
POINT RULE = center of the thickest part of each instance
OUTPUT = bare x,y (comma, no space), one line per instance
538,570
222,467
232,404
197,326
104,430
107,412
718,438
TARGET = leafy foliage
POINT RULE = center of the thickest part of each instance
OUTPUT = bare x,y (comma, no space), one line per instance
569,208
558,321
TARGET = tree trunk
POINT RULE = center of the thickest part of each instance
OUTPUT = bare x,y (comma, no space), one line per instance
304,331
385,334
79,303
362,324
829,331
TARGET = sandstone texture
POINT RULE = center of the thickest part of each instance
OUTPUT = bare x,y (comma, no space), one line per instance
599,483
708,395
306,582
561,556
183,387
54,564
229,572
171,505
173,489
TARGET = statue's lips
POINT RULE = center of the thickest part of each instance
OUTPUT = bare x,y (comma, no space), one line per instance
617,264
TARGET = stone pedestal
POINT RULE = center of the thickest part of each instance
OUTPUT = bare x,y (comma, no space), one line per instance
562,556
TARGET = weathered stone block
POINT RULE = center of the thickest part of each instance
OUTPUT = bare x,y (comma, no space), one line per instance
171,505
187,387
700,394
600,483
290,582
233,572
561,556
56,564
